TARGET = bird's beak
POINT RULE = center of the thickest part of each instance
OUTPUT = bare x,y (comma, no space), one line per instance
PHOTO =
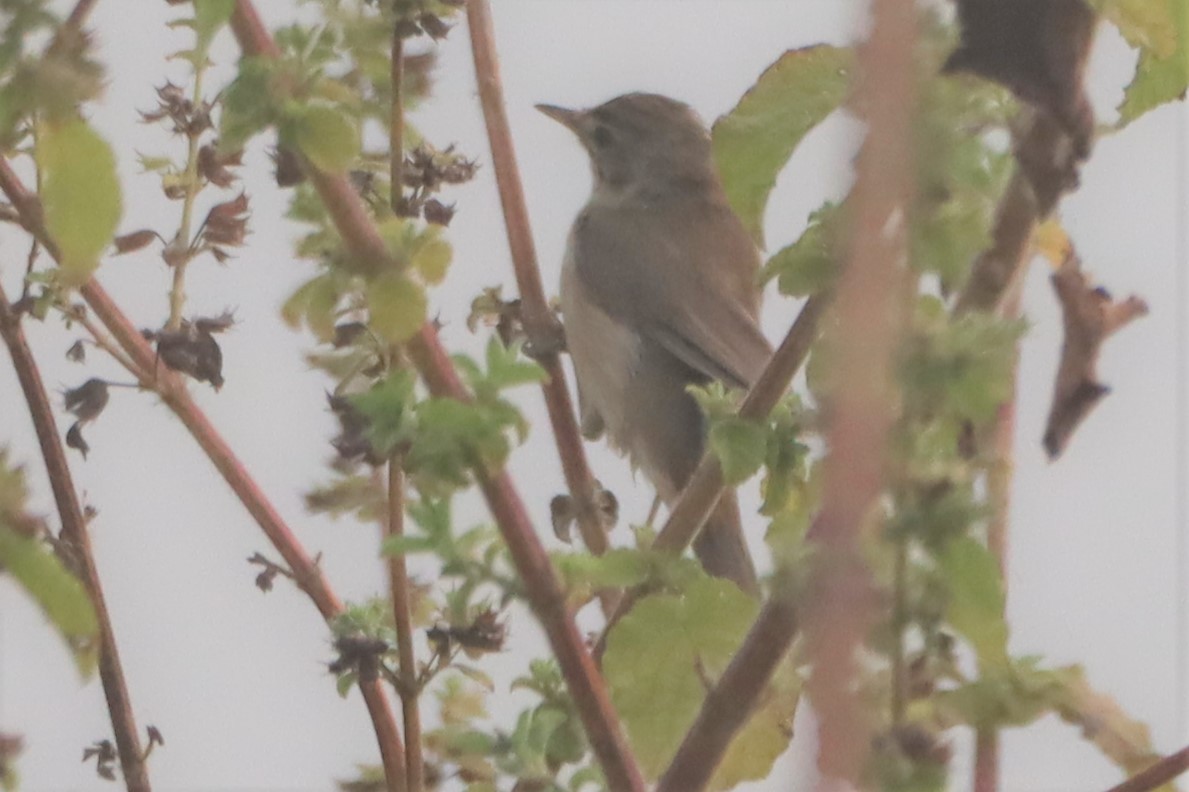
567,118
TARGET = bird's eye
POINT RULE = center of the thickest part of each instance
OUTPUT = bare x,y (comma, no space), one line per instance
601,136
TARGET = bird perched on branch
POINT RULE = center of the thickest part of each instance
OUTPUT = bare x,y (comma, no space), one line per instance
658,292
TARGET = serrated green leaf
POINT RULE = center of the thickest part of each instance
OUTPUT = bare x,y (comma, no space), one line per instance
396,307
325,135
58,593
507,369
810,264
209,16
753,141
313,303
389,408
976,601
658,694
741,447
80,195
1159,79
249,104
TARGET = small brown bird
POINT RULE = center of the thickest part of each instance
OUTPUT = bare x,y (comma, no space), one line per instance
659,292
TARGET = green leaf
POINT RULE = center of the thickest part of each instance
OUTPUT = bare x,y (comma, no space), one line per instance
976,600
209,16
314,302
249,104
58,593
389,408
741,447
507,369
1159,78
432,260
406,545
80,195
753,141
326,136
810,264
1144,24
396,307
658,693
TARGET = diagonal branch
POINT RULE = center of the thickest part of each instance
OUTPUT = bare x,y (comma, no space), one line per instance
306,572
539,323
542,587
74,530
1157,775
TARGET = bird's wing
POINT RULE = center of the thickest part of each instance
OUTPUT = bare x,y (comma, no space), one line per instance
683,278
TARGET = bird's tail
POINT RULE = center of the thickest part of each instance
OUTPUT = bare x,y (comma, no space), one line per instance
720,546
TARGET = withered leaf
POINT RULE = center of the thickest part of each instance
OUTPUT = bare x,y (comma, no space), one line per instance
87,400
74,439
1089,316
77,352
136,240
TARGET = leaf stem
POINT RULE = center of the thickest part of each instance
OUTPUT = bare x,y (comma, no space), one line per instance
1157,775
396,122
182,242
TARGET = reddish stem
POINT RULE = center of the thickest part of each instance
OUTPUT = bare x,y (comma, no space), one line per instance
398,585
539,322
528,555
74,530
1157,775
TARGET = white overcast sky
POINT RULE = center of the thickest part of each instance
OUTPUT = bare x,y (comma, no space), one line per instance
236,680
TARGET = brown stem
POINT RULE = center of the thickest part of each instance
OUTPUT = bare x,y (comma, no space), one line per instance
542,587
306,572
396,122
1157,775
398,584
840,608
539,321
986,745
74,531
392,756
702,492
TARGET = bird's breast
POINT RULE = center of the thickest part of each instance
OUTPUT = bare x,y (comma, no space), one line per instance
605,354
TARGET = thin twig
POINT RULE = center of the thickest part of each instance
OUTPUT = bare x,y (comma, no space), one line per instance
1157,775
539,321
999,479
528,555
398,584
396,122
74,531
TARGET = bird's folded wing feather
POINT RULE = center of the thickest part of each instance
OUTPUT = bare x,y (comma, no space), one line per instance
684,279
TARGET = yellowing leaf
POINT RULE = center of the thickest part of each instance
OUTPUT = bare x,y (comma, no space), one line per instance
397,306
327,137
432,260
1162,72
753,142
80,195
1051,241
1145,24
658,693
